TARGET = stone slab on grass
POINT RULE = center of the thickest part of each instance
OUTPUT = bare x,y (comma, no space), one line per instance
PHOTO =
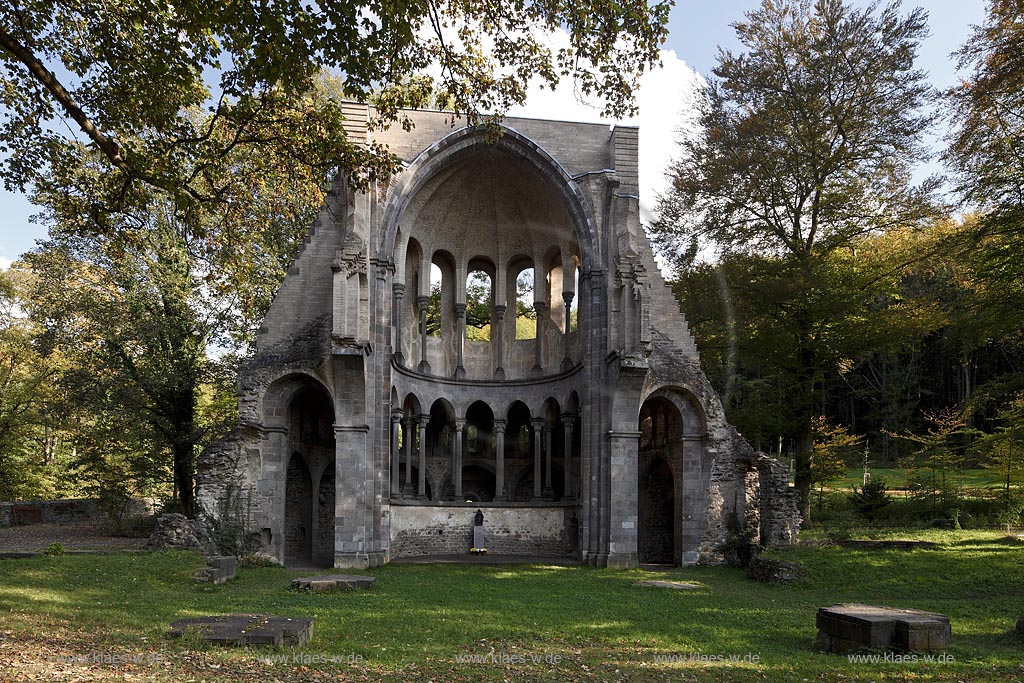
333,582
219,569
247,629
677,585
844,628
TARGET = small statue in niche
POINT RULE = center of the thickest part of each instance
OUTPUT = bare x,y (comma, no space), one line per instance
479,547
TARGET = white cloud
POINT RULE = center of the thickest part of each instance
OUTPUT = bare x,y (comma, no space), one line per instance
666,99
5,263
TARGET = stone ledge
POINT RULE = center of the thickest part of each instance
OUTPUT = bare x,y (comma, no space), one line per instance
333,582
847,627
246,629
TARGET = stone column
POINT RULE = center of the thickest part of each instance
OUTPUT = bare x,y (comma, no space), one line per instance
407,439
549,493
460,341
538,425
499,326
421,491
567,363
499,460
622,500
568,486
627,312
424,366
541,310
399,291
339,323
457,452
396,455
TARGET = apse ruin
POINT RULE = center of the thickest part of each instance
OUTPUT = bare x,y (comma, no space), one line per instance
487,330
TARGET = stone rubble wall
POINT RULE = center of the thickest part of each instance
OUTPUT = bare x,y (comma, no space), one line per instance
447,530
70,510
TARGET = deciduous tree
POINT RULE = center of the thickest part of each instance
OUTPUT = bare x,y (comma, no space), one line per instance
808,139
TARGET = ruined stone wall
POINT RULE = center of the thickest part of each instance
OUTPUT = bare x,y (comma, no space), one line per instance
548,531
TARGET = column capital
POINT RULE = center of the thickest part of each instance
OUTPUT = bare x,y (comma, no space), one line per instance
500,309
548,427
423,302
460,422
460,310
540,306
499,426
408,421
567,297
397,415
568,418
398,288
538,422
423,418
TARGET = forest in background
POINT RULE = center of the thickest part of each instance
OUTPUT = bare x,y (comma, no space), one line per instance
893,327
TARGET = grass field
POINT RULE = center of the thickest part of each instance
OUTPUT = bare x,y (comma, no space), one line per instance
580,624
897,478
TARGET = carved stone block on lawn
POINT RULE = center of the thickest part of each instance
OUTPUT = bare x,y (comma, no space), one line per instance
247,629
844,628
333,582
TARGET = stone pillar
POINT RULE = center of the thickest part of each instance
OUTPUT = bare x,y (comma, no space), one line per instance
538,425
407,439
549,493
567,363
421,488
460,340
396,455
568,486
499,460
339,323
424,366
399,291
457,452
541,309
628,343
622,500
499,326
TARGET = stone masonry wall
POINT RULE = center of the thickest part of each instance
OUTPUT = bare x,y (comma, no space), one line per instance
445,530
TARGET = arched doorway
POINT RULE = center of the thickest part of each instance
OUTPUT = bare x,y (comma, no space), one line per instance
657,520
309,502
298,510
325,517
659,504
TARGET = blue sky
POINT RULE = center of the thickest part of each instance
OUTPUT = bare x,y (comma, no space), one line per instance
697,28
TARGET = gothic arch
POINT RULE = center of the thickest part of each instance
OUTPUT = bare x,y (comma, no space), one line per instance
464,142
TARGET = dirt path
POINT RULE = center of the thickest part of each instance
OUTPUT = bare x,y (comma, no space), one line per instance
73,536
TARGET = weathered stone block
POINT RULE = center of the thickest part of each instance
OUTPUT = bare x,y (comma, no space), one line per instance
774,570
842,628
333,582
247,629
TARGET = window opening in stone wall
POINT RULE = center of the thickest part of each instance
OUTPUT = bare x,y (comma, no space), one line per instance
479,298
526,316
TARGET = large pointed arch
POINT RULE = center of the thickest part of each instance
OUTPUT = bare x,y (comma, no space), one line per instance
464,142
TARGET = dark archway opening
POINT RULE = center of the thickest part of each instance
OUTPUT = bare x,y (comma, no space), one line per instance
325,518
477,484
657,519
309,503
298,522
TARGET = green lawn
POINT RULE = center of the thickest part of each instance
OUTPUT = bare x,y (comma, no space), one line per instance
897,478
419,619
